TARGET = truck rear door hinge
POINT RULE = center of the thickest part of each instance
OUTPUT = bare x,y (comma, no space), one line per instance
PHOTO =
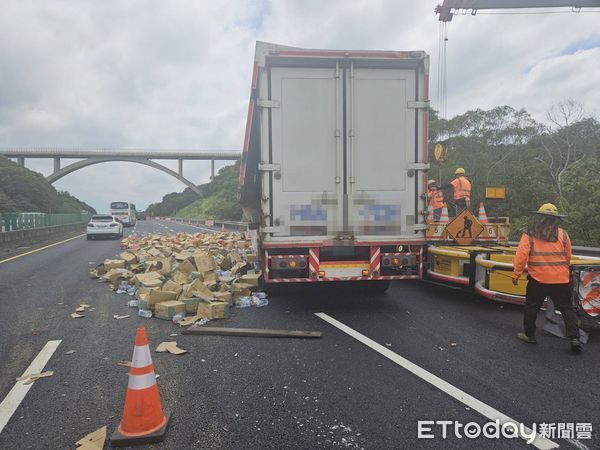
263,103
417,105
264,167
418,166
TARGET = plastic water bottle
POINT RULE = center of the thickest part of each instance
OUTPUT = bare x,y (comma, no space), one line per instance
202,321
258,302
132,303
178,317
243,302
145,313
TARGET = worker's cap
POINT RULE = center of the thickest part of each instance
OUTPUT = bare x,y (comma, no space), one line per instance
548,209
430,182
460,171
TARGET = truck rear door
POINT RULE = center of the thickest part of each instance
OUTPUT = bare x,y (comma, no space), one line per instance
306,151
381,144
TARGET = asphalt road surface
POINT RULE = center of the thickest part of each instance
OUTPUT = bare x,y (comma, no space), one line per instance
235,392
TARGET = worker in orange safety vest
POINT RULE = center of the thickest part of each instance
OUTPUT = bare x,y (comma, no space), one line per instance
546,250
435,198
462,190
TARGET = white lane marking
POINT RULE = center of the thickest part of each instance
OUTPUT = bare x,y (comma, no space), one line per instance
461,396
40,249
16,395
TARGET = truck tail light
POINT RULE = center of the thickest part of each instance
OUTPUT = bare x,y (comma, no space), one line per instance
289,262
398,260
365,273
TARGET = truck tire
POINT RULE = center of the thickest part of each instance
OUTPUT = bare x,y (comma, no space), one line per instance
88,237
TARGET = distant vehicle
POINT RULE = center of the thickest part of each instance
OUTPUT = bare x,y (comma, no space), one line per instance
334,161
104,225
125,212
140,215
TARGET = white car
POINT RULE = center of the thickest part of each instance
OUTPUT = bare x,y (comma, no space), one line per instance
104,225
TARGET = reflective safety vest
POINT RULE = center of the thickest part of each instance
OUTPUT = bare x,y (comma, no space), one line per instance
436,199
462,188
547,262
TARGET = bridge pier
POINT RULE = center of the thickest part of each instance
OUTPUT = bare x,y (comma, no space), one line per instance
56,164
212,169
21,161
180,161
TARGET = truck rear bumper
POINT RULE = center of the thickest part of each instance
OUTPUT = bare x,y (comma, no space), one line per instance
390,260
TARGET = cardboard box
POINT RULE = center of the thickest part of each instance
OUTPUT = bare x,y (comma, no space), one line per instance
200,290
186,268
114,264
180,278
226,297
209,276
204,262
172,286
128,257
166,310
252,278
213,310
191,304
155,296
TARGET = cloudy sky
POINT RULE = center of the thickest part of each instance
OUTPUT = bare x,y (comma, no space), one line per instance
176,74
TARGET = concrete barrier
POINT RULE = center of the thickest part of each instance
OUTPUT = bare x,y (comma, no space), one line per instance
10,240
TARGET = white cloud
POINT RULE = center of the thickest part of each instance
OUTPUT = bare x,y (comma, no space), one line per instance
152,74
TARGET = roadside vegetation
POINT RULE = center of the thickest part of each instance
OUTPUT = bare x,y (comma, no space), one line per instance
219,199
23,190
557,161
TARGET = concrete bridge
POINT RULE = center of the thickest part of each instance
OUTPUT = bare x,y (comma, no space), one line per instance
91,156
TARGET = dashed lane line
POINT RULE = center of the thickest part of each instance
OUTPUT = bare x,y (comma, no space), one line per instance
40,249
16,395
468,400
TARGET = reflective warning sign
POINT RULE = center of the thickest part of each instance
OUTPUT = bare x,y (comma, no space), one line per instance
464,228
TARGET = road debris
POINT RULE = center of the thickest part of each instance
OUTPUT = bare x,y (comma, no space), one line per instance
170,347
124,362
30,378
252,332
116,316
93,441
76,315
80,309
70,352
453,344
200,274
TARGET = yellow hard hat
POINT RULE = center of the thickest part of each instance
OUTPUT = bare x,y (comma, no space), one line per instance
460,171
548,209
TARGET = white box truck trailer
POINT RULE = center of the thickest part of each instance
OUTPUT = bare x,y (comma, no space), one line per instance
333,165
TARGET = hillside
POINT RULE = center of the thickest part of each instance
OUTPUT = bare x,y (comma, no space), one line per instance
219,199
23,190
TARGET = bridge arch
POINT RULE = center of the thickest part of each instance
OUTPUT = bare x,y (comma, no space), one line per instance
57,175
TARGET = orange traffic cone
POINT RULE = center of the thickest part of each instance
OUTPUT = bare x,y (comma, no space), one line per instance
144,420
429,214
444,216
482,216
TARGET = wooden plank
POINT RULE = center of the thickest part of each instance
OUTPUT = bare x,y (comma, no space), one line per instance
251,332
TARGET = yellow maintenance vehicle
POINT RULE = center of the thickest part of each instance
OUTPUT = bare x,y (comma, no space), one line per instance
475,253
